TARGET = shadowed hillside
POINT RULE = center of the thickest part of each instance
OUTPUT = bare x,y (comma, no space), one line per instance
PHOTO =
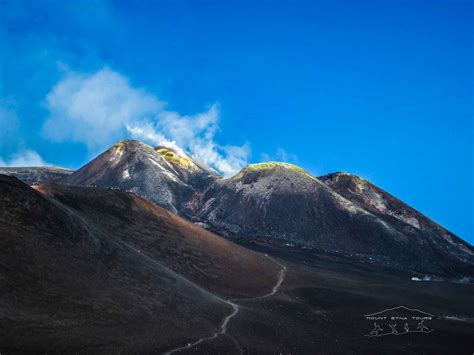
87,269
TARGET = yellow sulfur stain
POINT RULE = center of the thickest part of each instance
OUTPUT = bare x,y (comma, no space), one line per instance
177,159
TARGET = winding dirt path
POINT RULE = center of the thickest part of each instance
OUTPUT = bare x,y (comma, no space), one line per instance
235,311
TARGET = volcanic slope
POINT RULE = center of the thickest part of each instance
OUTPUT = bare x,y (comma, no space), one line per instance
160,175
397,213
284,203
90,269
32,175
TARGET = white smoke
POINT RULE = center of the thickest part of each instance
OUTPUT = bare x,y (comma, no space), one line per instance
147,133
196,134
100,108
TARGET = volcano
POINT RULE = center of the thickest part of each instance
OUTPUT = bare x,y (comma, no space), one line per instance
283,203
146,250
160,174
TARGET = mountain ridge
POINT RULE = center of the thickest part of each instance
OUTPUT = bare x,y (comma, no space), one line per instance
283,203
286,204
37,174
376,200
94,264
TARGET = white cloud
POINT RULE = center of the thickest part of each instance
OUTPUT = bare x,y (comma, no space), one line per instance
100,108
94,108
26,157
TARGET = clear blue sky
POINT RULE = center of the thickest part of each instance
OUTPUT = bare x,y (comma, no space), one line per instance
382,89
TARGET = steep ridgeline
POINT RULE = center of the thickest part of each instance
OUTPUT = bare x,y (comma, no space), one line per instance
160,175
397,213
281,202
32,175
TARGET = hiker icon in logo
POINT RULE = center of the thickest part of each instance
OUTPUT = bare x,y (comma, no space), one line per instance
421,327
376,330
394,328
398,321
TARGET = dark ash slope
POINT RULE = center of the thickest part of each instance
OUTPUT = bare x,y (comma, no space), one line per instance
79,279
404,218
281,202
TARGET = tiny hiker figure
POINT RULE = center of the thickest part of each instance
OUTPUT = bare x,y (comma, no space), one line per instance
393,326
376,330
421,327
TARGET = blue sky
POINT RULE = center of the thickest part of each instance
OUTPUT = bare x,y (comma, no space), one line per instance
382,89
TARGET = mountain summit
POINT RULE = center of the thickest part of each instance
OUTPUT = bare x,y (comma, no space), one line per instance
160,174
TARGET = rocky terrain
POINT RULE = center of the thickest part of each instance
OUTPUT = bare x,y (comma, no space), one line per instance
145,250
33,175
84,268
284,203
157,174
403,217
336,213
